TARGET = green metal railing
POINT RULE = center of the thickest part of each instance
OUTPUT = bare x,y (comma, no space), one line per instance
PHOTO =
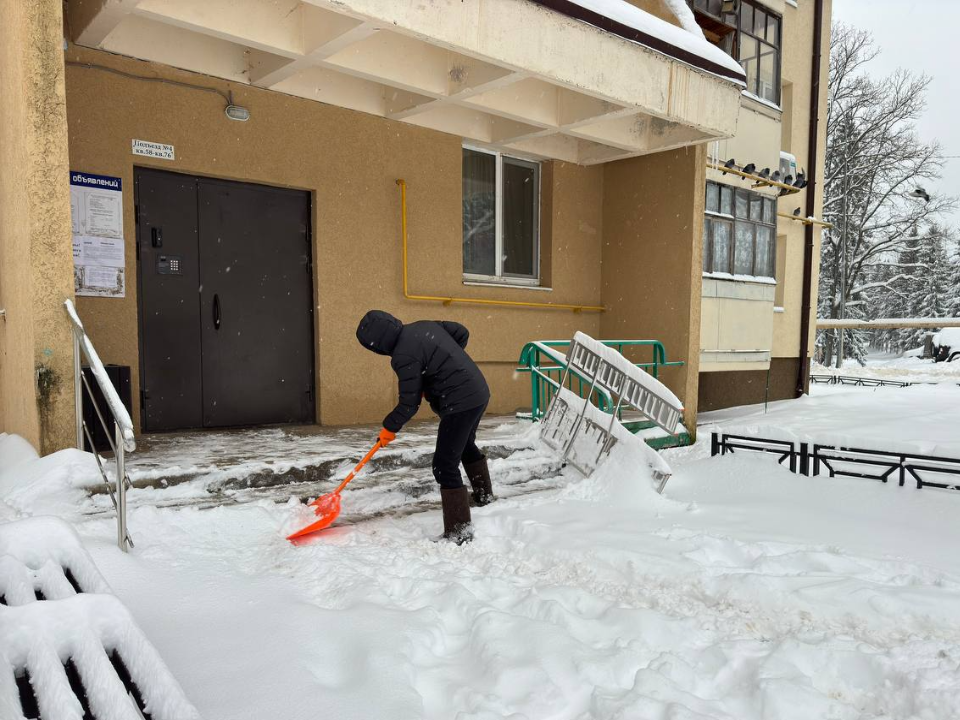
546,366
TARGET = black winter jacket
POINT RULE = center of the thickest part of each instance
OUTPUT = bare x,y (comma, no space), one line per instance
429,360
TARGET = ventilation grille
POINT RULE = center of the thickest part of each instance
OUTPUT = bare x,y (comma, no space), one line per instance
30,707
69,647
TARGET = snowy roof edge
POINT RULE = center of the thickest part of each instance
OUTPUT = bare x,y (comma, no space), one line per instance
617,24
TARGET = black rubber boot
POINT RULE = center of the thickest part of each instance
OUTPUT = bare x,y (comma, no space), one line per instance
456,515
479,476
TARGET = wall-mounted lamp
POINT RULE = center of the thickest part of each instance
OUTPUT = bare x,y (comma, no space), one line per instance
237,112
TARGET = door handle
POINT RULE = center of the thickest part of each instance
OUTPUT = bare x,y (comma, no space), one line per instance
156,237
216,311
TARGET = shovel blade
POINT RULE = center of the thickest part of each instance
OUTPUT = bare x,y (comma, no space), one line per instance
324,522
327,509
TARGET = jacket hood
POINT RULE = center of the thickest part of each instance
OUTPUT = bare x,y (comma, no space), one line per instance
379,331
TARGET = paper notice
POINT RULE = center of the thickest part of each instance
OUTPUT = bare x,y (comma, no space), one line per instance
96,206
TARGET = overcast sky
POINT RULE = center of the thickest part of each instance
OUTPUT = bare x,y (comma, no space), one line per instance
919,35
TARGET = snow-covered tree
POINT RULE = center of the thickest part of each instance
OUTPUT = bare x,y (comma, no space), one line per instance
876,173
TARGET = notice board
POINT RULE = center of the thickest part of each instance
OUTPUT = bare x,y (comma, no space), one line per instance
96,208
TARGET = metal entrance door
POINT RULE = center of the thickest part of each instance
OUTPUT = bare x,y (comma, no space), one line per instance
226,303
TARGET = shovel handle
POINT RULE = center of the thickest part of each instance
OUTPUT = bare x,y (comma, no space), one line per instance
358,468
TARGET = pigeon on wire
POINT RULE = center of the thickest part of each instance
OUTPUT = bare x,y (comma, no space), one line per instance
749,168
796,213
730,164
764,174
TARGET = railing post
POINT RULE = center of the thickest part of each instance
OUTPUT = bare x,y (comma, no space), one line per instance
77,389
121,491
535,382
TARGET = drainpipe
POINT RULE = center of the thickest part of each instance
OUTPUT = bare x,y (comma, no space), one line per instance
812,150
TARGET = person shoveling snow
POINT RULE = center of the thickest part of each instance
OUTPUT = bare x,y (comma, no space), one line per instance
431,363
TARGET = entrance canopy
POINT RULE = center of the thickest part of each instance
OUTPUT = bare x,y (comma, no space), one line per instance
588,81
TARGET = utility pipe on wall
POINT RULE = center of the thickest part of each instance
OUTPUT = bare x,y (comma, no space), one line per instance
759,182
470,301
888,323
805,220
813,148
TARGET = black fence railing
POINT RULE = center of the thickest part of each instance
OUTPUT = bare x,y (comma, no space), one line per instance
812,459
856,381
863,381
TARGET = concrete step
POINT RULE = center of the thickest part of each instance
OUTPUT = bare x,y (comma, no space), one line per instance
392,487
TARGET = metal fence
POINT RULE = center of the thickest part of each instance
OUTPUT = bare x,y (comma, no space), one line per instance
813,459
863,381
547,365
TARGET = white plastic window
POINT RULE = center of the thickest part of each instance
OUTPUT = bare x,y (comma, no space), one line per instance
501,218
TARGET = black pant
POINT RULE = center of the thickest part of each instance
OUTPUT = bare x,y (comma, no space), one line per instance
456,443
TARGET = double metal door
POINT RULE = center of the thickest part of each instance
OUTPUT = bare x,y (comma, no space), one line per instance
225,303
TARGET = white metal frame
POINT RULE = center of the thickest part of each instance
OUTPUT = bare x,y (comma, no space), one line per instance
500,277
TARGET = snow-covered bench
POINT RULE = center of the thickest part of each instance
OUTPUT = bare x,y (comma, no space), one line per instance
69,649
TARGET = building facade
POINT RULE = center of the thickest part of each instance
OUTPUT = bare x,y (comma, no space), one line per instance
761,240
247,178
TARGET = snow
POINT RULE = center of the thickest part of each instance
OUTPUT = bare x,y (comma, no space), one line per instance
919,419
949,337
755,279
35,554
636,374
42,635
55,484
584,451
909,368
38,637
684,14
744,592
684,37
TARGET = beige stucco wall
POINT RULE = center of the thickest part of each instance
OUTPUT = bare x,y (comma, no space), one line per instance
797,61
740,385
36,271
762,132
350,162
653,240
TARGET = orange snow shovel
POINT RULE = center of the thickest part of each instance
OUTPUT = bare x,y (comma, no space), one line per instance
327,507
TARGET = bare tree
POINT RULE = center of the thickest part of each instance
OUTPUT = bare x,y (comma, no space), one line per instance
875,180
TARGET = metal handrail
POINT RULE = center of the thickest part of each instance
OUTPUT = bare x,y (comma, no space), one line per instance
122,440
603,397
540,375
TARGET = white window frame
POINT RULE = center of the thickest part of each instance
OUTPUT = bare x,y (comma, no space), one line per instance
733,219
501,278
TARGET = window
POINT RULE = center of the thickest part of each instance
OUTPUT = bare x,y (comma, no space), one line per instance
501,217
739,232
749,32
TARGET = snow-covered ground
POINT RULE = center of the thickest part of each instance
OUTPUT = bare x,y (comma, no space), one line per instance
917,419
744,592
893,367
